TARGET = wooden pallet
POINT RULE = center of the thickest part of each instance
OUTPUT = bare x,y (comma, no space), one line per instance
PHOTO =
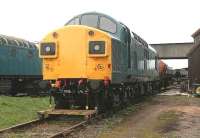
68,112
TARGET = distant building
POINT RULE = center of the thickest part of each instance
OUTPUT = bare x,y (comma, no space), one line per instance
194,59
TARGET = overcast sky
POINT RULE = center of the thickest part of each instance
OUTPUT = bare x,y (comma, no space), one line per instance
157,21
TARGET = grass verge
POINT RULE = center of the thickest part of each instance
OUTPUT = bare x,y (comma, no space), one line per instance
15,110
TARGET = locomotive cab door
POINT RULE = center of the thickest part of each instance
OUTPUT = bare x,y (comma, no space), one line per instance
126,39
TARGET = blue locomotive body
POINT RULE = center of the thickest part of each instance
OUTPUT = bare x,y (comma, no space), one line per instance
18,59
20,65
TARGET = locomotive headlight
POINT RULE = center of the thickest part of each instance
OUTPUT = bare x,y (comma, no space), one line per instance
47,49
97,47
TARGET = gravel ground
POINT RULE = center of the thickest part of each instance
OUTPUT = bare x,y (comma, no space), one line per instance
161,116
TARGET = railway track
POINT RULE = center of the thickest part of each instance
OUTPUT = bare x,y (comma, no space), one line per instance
15,127
49,128
67,131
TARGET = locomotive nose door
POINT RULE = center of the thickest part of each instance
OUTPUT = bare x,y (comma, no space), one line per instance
73,53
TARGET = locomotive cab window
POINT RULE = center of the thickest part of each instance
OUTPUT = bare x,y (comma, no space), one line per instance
89,20
107,25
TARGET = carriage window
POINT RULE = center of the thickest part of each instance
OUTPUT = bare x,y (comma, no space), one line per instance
107,25
89,20
75,21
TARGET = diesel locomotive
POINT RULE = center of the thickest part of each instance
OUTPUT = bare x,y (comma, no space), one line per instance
20,66
96,62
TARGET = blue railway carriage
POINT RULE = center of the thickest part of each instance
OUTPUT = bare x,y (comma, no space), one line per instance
19,64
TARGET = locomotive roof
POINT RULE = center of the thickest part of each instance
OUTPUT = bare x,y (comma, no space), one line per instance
151,48
97,20
93,13
9,40
78,20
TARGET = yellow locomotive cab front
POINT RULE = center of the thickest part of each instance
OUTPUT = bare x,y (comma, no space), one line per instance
76,51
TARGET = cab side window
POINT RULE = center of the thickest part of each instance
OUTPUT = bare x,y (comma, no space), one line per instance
124,36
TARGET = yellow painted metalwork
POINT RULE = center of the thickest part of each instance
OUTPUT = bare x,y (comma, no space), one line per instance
73,59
